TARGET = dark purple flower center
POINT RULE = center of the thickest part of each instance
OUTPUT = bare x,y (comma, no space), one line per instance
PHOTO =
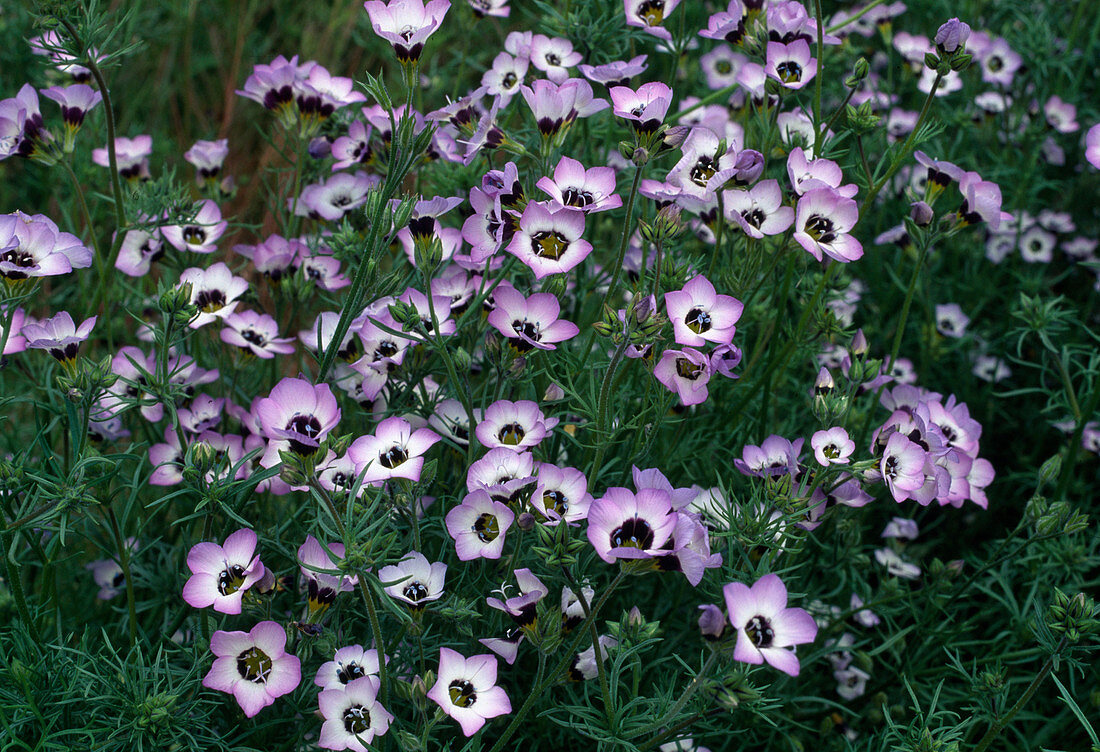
19,258
724,67
698,320
392,457
194,235
306,426
549,245
415,592
210,300
995,63
231,579
509,80
253,337
760,631
254,665
462,693
512,433
685,369
890,467
553,59
633,533
556,501
356,719
528,330
703,171
789,71
487,528
652,12
754,217
349,671
577,197
820,228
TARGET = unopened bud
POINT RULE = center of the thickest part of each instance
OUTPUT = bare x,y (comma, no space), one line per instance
862,68
824,384
921,213
675,135
1050,470
859,346
712,622
748,167
952,36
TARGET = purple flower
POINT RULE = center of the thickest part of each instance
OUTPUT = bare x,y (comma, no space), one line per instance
522,608
406,24
131,156
201,235
320,569
951,321
484,8
728,25
516,425
348,664
505,77
59,335
207,157
981,202
775,456
759,211
700,315
253,666
648,15
22,131
138,252
296,415
712,622
764,624
591,190
466,690
561,493
999,62
832,447
952,36
256,333
394,451
790,64
214,291
624,525
414,580
1092,146
549,241
615,73
75,102
556,107
32,246
700,162
353,716
902,466
645,108
333,198
823,220
478,526
553,56
220,575
685,372
529,323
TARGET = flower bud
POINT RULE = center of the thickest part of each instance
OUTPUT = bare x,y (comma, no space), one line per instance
952,36
859,72
675,135
712,622
1050,470
553,393
639,157
748,168
921,213
859,346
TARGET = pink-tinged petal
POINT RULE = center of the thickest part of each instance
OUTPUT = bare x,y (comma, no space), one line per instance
770,594
201,590
493,702
286,675
784,660
223,675
745,651
793,626
252,697
740,603
206,557
230,644
240,546
270,637
229,604
469,720
481,671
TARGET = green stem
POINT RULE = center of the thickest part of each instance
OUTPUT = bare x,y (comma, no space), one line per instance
904,153
461,389
820,23
124,562
719,227
15,582
563,662
109,115
597,651
602,406
625,240
998,725
899,333
690,690
1075,442
852,19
